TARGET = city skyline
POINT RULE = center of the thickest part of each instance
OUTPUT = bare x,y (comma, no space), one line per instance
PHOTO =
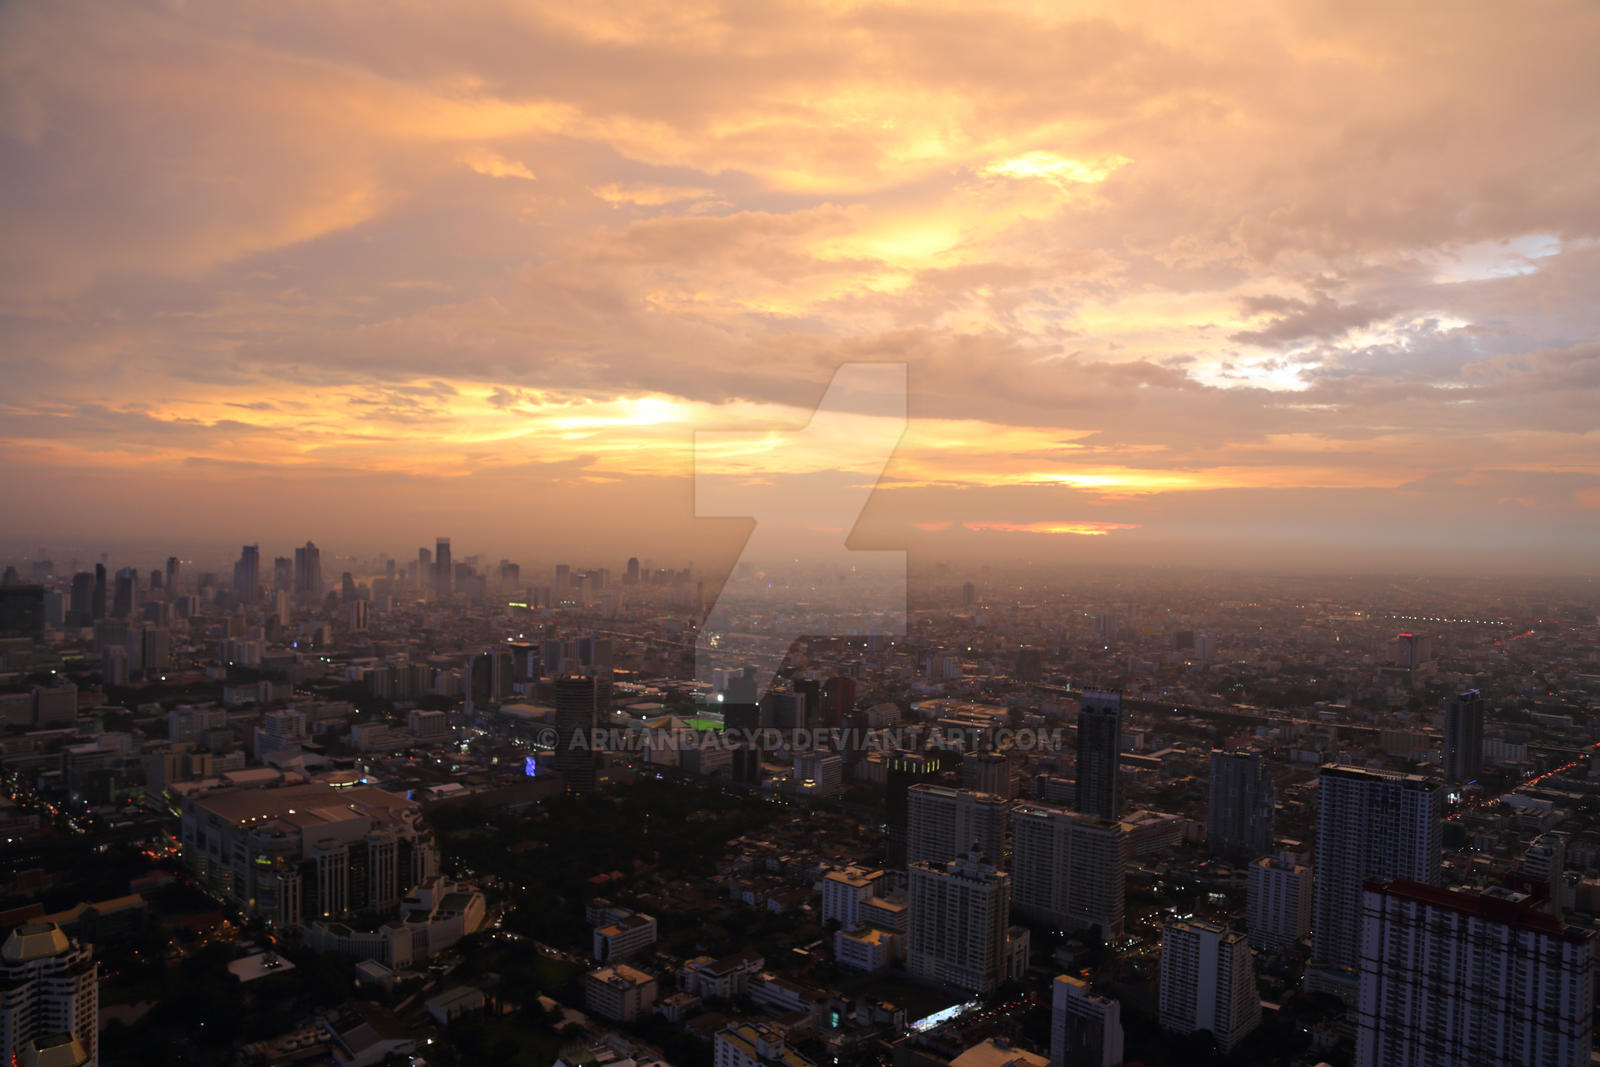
1251,292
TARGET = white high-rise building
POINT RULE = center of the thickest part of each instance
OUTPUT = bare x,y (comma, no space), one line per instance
1451,977
1208,982
843,893
1085,1029
1279,895
944,823
1067,868
50,1003
1370,824
958,912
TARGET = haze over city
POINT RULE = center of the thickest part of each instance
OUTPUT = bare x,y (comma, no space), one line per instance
868,533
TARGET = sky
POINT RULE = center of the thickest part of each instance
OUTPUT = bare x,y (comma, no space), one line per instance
1285,284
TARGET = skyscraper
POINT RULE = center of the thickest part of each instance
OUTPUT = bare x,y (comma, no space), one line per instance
22,611
901,771
1458,976
1370,824
838,700
957,917
97,606
51,998
125,593
944,823
1067,868
1085,1029
1208,982
1099,750
1278,895
173,567
1463,737
247,574
444,573
575,725
308,573
1240,818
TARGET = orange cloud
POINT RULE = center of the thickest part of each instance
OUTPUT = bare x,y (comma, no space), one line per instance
1083,529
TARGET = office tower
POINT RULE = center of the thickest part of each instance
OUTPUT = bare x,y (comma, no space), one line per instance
22,611
444,572
809,690
1463,737
80,605
1452,977
491,678
1239,820
563,580
1208,982
988,772
575,729
943,823
1085,1029
357,615
247,574
424,570
631,576
957,923
1279,898
124,594
1067,868
149,650
308,574
901,771
1099,750
173,567
818,774
1370,824
1412,650
969,595
838,700
1030,664
50,1006
97,606
283,574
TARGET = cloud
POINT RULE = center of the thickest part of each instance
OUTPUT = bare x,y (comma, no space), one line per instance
1141,259
494,165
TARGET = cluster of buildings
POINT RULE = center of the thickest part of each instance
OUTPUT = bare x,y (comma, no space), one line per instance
1308,792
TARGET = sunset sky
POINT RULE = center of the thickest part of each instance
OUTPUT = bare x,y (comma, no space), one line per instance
1271,282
